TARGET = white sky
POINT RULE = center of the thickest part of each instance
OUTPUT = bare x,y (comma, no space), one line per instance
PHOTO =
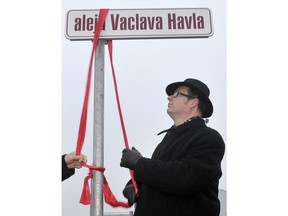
143,68
32,95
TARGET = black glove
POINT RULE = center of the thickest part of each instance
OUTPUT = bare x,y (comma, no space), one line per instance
129,158
129,193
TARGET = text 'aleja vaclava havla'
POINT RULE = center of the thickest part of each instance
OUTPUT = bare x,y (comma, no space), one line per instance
137,22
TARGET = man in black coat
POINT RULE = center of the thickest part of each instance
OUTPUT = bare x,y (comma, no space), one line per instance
182,176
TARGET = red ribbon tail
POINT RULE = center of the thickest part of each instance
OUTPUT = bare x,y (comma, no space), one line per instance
86,198
109,196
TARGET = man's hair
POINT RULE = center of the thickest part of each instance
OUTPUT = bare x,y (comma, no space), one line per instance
201,105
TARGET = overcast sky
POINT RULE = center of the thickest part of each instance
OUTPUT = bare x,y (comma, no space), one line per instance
34,99
143,68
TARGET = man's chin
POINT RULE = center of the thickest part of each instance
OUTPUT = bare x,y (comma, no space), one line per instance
169,112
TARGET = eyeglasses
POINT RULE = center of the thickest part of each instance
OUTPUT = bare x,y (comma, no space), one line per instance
176,93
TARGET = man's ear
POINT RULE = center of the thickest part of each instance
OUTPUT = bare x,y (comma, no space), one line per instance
194,102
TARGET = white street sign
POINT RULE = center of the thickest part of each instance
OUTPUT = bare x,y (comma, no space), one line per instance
141,23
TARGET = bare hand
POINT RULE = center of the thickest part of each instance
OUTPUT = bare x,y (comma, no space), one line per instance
74,161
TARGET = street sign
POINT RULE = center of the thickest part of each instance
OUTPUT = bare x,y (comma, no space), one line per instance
141,23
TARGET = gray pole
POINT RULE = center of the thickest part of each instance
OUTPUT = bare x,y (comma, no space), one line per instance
96,208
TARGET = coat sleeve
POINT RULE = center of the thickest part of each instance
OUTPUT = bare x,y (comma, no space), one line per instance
66,172
200,165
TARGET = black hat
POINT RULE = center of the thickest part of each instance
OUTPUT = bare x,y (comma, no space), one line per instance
199,88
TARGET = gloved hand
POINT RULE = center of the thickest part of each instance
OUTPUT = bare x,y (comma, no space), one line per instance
129,193
129,158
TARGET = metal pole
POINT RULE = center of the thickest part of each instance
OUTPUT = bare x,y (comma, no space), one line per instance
96,208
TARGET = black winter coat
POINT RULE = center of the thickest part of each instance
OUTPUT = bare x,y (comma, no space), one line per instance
182,177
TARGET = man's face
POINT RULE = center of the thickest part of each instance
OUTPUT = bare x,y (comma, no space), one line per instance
179,105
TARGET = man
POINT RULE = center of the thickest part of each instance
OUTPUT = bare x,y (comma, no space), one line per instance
182,176
70,162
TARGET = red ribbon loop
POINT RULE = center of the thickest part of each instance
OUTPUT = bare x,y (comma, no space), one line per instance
108,195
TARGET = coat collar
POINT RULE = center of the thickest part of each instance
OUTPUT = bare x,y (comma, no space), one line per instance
192,122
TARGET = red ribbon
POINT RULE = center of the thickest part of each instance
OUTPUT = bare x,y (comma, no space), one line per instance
110,48
108,195
86,198
82,127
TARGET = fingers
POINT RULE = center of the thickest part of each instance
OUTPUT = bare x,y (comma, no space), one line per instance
129,158
125,150
129,193
72,153
124,155
78,161
77,165
74,161
84,159
134,149
77,158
